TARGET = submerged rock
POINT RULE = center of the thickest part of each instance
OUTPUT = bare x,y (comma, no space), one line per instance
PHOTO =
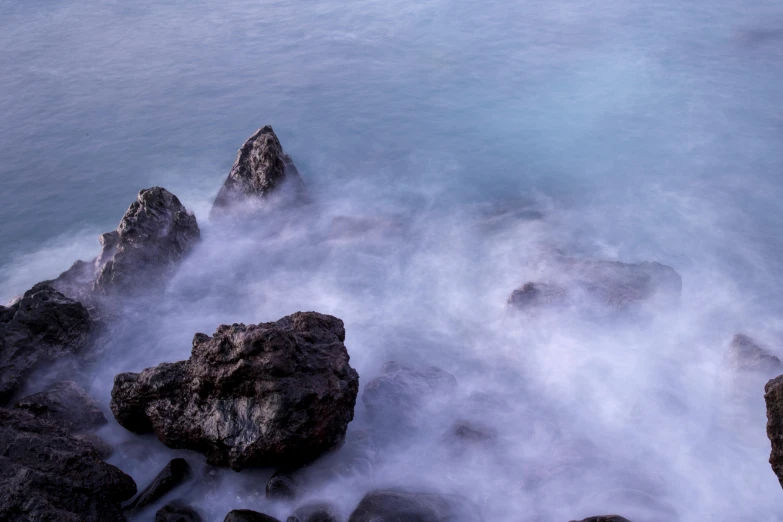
745,355
48,475
41,327
604,518
177,512
316,512
155,233
773,396
396,397
397,506
170,477
260,170
283,485
610,284
67,404
270,394
246,515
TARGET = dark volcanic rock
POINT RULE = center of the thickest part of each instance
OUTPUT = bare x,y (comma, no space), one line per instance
246,515
67,404
399,506
155,233
40,328
260,170
397,395
610,284
283,485
48,475
177,512
604,518
317,512
774,398
270,394
746,355
172,475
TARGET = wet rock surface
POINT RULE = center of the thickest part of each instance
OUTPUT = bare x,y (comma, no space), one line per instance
773,396
315,512
175,473
283,485
246,515
42,327
397,506
48,475
67,404
278,393
155,233
604,518
260,170
177,512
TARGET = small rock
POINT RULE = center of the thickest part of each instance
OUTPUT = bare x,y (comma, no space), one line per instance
67,404
283,485
177,512
604,518
470,433
172,475
746,355
316,512
398,506
246,515
270,394
40,328
537,295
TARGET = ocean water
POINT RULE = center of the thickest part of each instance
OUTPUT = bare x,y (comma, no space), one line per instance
639,130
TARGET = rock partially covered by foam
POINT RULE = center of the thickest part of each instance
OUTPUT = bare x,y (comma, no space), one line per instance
270,394
49,475
746,355
41,327
260,171
394,506
604,518
67,404
773,396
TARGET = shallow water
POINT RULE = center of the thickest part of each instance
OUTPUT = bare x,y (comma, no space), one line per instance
640,130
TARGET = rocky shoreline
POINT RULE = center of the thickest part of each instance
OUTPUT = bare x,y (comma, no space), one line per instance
277,394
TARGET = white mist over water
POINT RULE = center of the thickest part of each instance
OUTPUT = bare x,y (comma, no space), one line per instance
640,130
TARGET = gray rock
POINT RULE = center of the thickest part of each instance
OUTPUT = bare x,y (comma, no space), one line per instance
176,472
67,404
773,396
270,394
403,506
246,515
315,512
177,512
48,475
745,355
260,170
43,326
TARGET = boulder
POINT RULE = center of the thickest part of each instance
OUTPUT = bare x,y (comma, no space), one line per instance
610,284
155,233
41,327
177,512
67,404
745,355
48,475
270,394
398,506
260,170
773,396
396,397
246,515
315,512
283,485
170,477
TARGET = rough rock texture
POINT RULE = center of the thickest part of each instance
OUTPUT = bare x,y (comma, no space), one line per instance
283,485
177,512
746,355
155,233
172,475
270,394
67,404
47,475
773,395
399,506
604,518
40,328
260,170
611,284
397,395
317,512
246,515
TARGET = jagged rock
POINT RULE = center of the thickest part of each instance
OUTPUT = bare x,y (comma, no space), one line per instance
746,355
395,398
101,447
260,170
270,394
177,512
67,404
398,506
283,485
246,515
773,396
171,476
604,518
41,327
610,284
155,233
317,512
48,475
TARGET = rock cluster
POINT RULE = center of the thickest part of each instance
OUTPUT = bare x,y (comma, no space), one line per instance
250,395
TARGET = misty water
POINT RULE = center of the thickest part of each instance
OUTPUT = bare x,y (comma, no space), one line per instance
469,139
